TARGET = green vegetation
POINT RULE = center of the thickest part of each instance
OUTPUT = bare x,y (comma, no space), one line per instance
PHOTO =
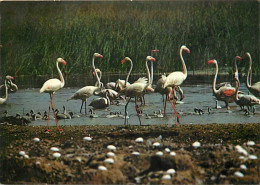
35,34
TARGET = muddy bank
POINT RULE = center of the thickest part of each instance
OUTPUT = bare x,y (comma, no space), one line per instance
216,161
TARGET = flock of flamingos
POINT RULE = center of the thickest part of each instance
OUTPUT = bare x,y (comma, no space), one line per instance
166,85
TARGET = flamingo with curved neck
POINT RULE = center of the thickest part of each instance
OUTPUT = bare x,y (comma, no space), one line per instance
51,86
254,89
2,100
176,79
84,93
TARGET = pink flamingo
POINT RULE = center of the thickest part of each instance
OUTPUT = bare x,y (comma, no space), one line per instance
7,78
137,88
254,89
84,93
51,86
176,79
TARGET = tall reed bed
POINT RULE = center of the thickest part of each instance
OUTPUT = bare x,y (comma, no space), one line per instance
34,34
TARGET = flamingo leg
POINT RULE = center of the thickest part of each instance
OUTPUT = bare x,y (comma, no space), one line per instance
81,106
86,107
144,100
126,108
164,103
173,106
52,106
47,128
137,111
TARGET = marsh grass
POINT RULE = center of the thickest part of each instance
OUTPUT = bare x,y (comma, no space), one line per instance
34,34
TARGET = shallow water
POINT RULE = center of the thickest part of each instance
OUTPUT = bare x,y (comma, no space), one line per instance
199,96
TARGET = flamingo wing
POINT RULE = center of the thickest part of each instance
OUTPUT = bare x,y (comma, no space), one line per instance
51,85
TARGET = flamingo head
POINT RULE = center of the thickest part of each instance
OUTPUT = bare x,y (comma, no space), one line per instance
149,58
97,71
248,54
155,50
185,49
60,60
9,77
212,61
238,58
97,55
125,59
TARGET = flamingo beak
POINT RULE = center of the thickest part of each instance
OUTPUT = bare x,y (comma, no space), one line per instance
182,97
211,61
238,57
100,56
12,78
94,74
187,50
122,61
64,62
155,50
153,59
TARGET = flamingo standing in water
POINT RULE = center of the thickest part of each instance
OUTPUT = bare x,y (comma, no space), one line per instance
176,79
51,86
225,93
254,89
2,100
84,93
137,88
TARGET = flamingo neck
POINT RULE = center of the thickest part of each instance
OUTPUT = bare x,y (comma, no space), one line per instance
215,79
126,80
151,72
249,78
60,74
6,91
237,87
148,73
183,64
94,68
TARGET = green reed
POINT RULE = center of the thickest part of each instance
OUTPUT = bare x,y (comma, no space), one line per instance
35,34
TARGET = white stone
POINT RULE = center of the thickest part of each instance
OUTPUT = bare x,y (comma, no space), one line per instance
242,157
102,168
111,147
159,153
239,174
109,160
26,156
156,144
135,153
166,177
253,157
139,140
172,153
55,149
111,154
36,139
56,154
196,144
242,166
87,138
22,153
171,171
38,163
167,150
241,150
250,143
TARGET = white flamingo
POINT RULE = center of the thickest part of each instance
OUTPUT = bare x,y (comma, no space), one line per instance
51,86
176,79
2,100
137,88
224,93
12,87
254,89
84,93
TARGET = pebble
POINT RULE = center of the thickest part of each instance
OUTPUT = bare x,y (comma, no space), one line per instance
102,168
159,153
135,153
171,171
55,149
253,157
196,144
166,177
241,150
22,153
139,140
173,154
250,143
36,139
109,160
26,156
111,154
167,150
242,157
56,154
242,166
239,174
87,138
111,147
156,144
38,163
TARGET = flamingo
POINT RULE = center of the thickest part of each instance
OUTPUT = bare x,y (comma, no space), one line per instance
84,93
254,89
224,93
2,100
137,88
101,103
99,73
176,79
51,86
12,87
